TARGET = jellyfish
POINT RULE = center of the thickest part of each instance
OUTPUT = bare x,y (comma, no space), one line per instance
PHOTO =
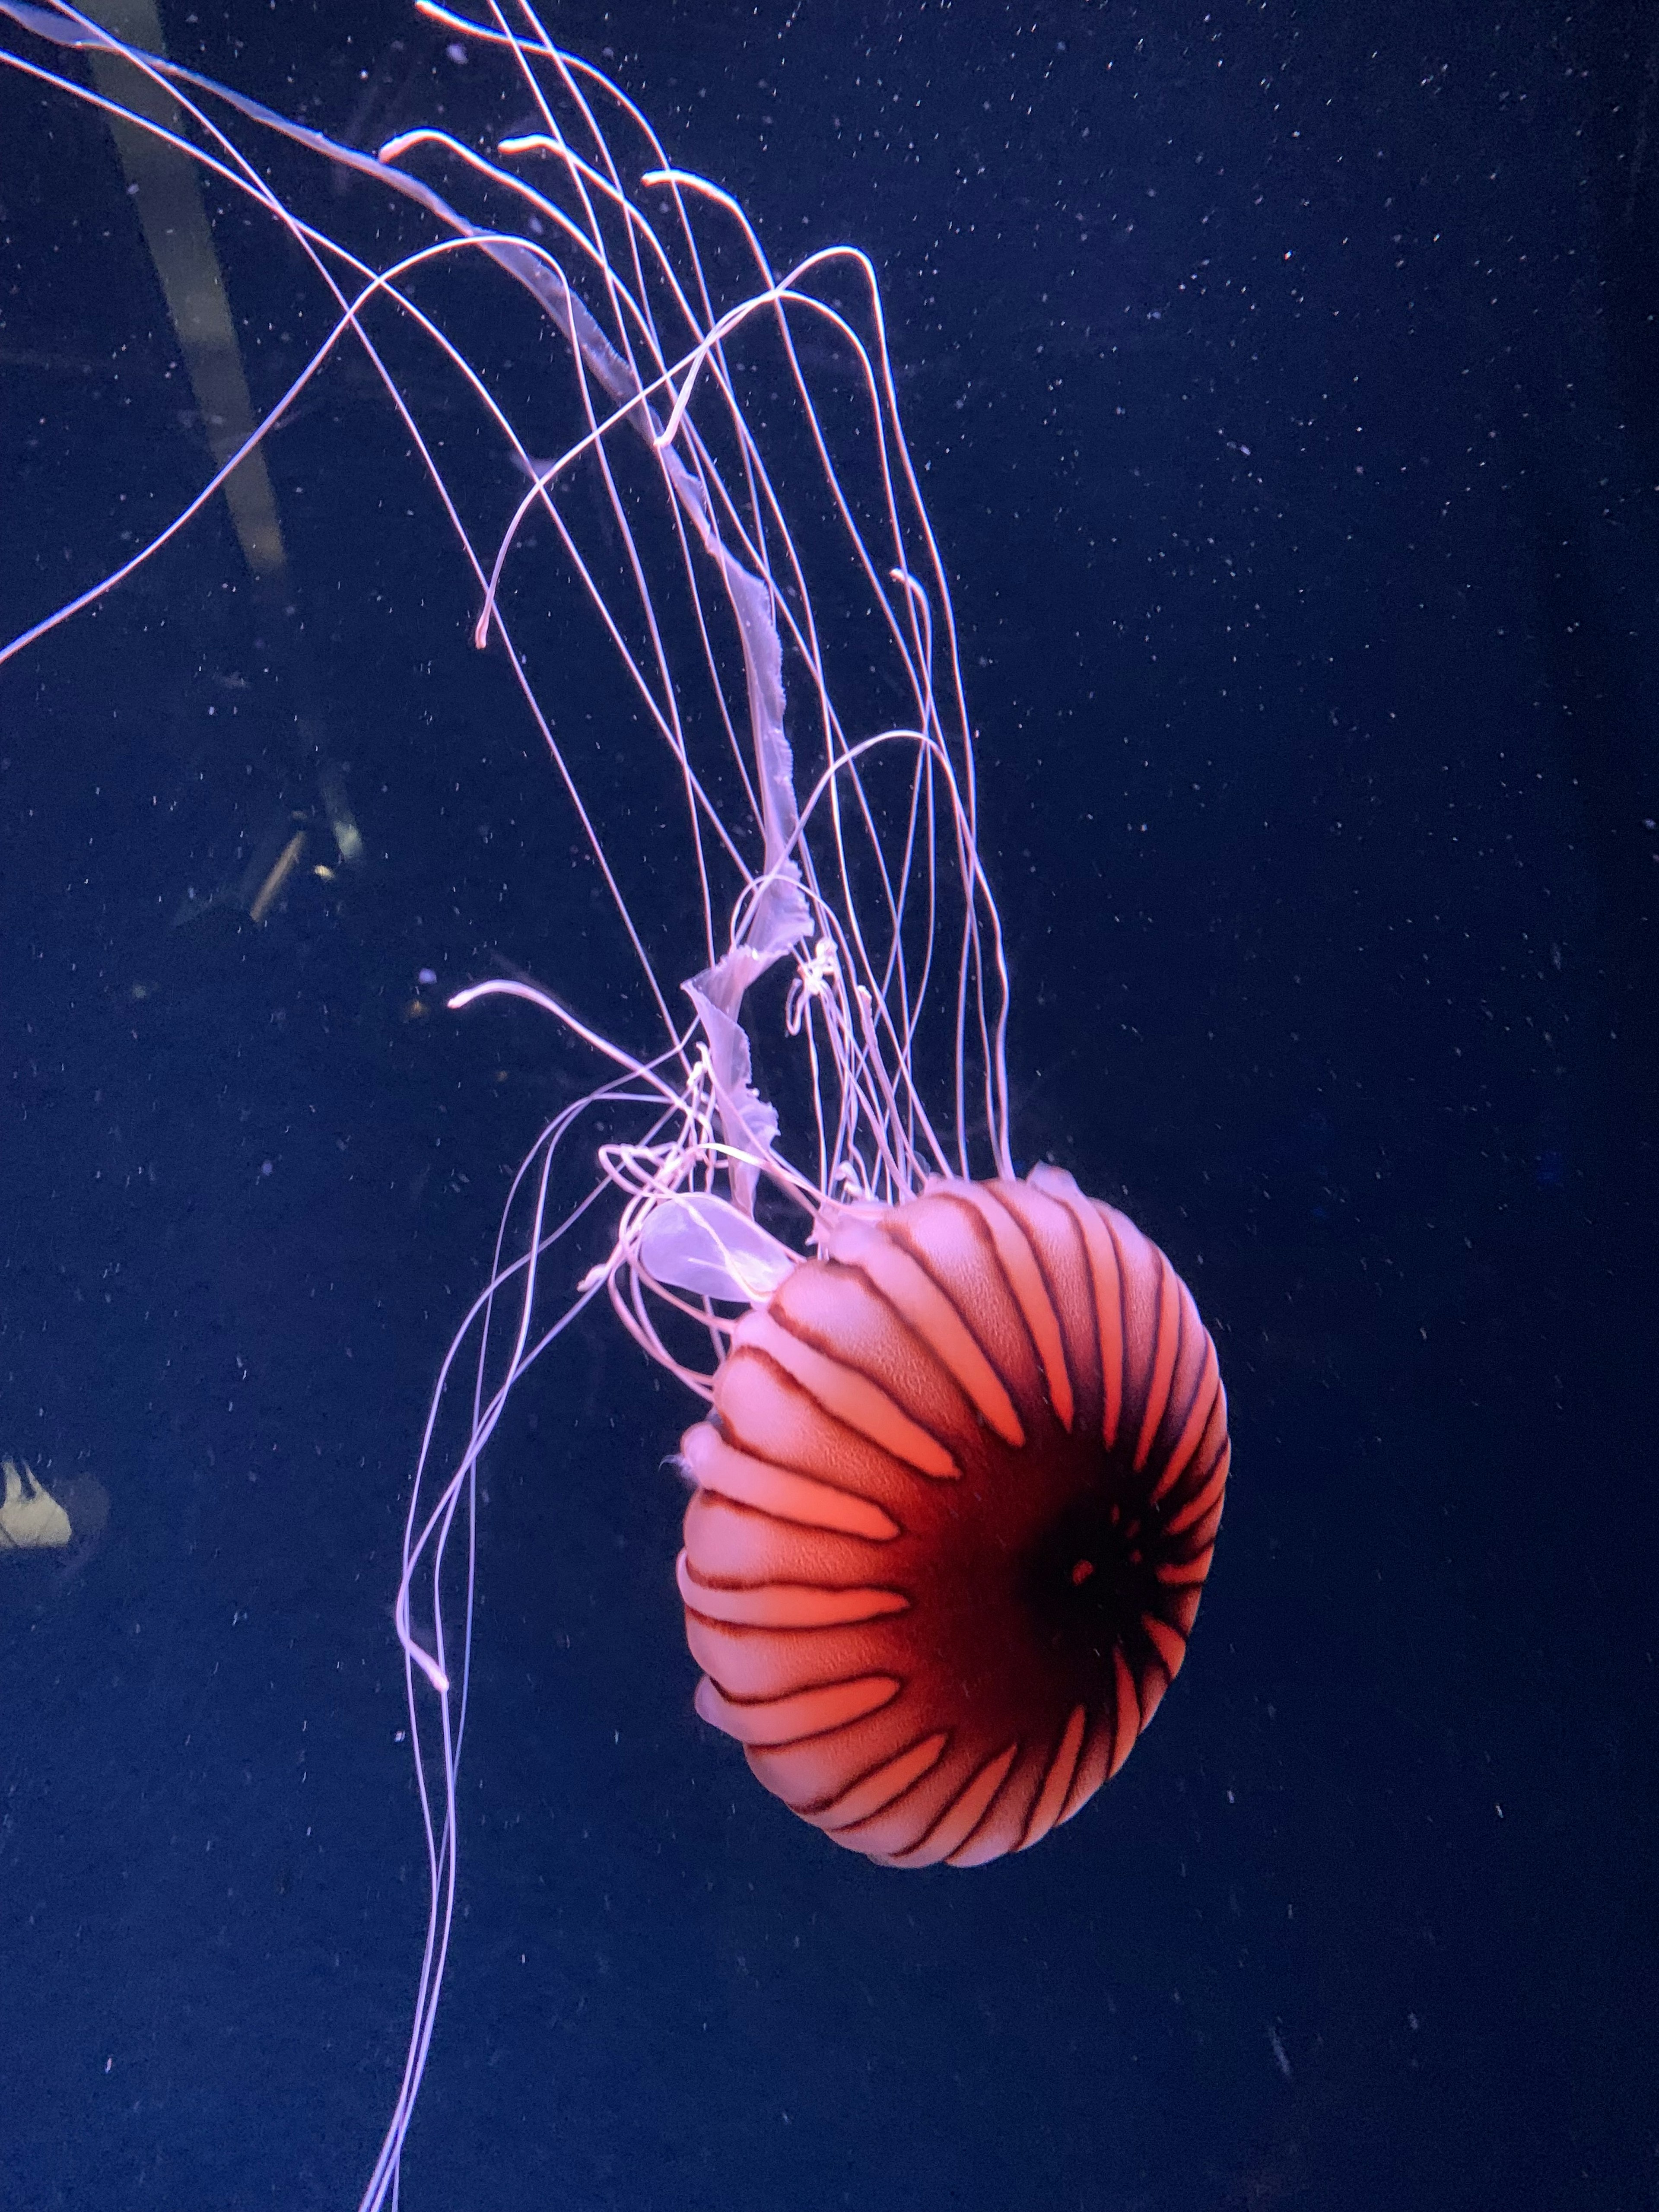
962,1449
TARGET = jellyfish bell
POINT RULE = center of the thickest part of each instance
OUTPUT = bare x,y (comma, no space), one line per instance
962,1463
954,1512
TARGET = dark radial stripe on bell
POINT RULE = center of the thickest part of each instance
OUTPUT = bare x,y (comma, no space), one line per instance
954,1511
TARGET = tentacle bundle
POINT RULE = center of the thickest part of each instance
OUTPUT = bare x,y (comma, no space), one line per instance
953,1514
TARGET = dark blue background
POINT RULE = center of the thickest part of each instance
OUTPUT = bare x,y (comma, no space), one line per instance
1288,383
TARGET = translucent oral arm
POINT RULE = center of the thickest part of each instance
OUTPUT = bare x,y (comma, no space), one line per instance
698,1243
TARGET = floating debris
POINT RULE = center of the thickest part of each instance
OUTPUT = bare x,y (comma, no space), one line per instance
269,891
31,1519
63,1523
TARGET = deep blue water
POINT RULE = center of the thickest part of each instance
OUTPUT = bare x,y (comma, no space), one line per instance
1288,383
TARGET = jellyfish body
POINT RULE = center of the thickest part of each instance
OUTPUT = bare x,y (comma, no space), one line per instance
953,1515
